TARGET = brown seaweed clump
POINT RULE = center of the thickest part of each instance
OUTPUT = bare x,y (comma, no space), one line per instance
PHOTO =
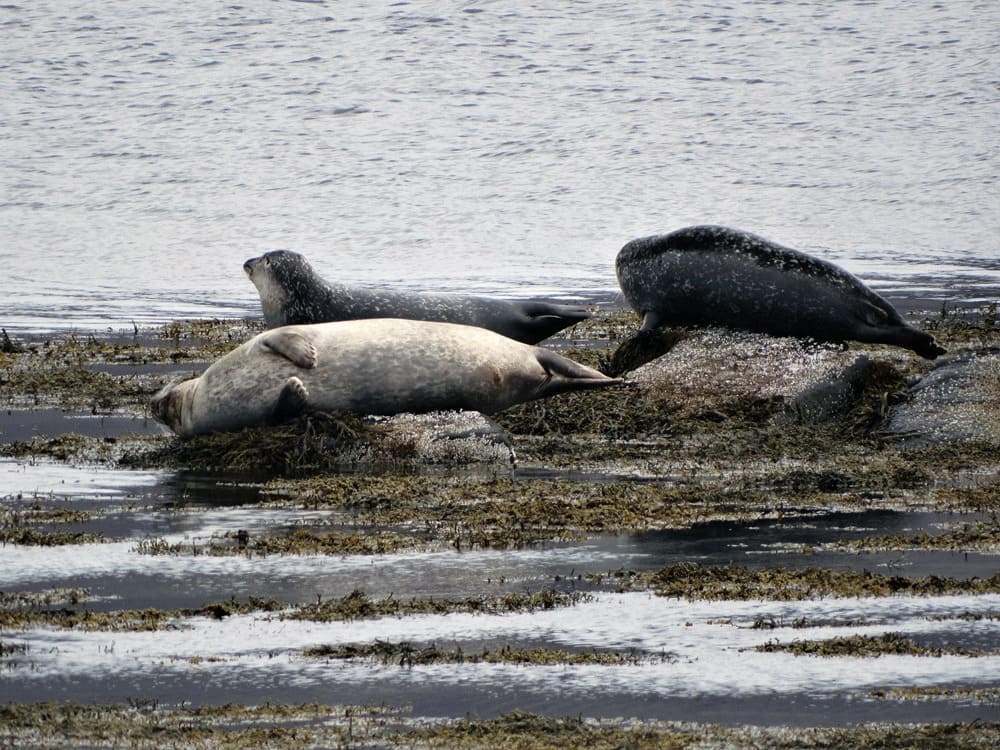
869,646
696,581
311,442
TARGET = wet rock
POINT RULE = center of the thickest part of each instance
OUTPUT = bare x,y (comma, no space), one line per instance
957,401
717,363
830,398
452,437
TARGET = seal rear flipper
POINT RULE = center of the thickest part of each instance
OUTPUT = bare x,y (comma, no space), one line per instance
539,320
291,345
291,401
550,311
566,375
919,342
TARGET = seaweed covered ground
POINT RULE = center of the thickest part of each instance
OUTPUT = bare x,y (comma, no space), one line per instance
752,542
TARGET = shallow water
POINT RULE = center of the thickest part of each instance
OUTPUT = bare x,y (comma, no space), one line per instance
701,663
711,671
24,424
149,151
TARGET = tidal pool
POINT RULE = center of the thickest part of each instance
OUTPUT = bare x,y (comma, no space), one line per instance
695,660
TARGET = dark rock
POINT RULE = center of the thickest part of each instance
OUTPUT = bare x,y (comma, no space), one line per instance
957,401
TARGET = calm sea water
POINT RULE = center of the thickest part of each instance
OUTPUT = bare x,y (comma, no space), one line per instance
147,150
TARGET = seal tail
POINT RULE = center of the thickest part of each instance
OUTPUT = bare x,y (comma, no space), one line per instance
566,375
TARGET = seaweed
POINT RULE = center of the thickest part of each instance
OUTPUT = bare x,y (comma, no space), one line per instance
695,581
867,646
407,654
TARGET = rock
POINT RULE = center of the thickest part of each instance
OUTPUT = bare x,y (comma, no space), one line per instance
723,364
443,437
957,401
831,397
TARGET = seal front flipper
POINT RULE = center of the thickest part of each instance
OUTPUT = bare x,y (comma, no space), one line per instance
291,401
291,345
564,374
651,320
875,315
641,347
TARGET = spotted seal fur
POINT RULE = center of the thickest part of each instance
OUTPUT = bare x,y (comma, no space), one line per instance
291,292
713,275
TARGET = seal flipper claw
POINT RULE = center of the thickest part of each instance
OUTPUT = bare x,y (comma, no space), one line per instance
291,345
291,401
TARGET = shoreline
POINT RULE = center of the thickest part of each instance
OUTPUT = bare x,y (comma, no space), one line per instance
709,458
915,302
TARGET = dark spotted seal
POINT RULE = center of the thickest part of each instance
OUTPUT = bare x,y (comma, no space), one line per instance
291,292
710,275
379,366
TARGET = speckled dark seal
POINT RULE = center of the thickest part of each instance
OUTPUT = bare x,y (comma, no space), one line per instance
712,275
381,366
291,292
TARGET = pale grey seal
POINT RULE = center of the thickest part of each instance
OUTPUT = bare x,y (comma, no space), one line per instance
291,292
376,366
711,275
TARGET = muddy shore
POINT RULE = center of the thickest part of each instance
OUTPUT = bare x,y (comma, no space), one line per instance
753,542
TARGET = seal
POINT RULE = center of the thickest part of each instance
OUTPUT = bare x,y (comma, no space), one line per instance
713,275
292,293
375,366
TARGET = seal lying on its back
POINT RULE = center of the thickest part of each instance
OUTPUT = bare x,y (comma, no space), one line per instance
381,366
292,293
709,275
